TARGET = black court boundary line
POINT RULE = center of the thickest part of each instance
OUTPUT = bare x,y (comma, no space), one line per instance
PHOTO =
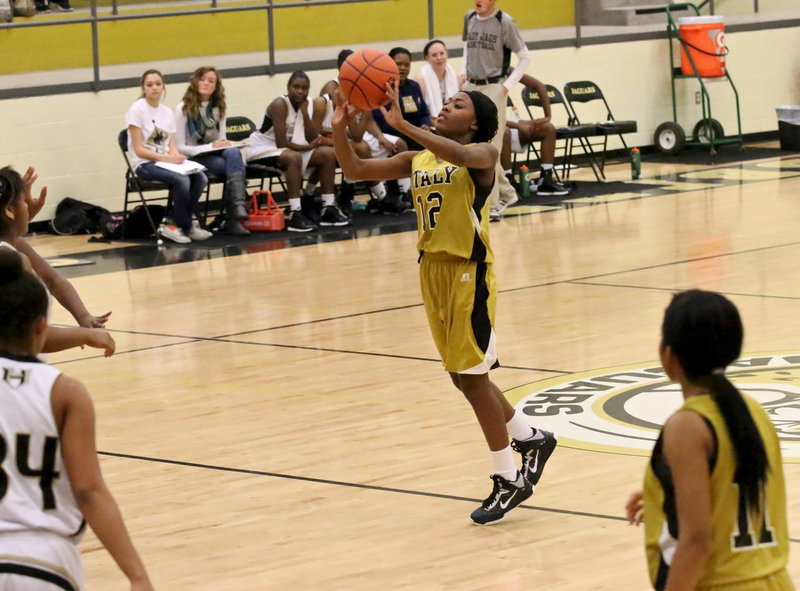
372,487
656,266
576,280
191,340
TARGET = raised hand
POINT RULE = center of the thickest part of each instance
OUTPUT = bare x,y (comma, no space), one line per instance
34,205
393,116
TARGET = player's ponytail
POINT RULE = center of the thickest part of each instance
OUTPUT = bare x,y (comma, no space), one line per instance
704,331
751,456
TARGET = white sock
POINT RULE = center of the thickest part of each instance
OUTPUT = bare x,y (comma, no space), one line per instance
507,172
547,166
504,464
518,427
294,203
310,188
378,190
404,184
328,199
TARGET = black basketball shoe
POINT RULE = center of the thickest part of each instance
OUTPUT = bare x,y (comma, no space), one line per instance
333,216
548,185
535,453
505,496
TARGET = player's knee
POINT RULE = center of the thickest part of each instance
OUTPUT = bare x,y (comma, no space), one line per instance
290,159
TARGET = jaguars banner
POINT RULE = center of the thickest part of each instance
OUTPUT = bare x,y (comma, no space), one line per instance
621,409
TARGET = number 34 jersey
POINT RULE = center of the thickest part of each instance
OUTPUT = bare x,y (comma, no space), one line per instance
35,493
743,546
452,211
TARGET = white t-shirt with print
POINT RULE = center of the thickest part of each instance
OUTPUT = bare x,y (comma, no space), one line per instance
156,123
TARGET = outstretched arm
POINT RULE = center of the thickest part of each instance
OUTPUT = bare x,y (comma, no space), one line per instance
61,288
61,338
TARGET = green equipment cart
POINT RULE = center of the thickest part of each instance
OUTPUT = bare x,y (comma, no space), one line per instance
670,137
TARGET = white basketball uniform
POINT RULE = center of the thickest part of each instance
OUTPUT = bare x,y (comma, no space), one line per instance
40,522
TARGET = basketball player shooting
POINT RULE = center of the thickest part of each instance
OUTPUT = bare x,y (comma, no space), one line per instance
451,182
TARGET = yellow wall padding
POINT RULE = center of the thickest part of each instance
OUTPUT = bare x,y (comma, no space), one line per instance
154,40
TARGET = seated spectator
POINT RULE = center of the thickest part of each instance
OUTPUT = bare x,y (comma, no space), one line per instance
436,78
412,103
322,110
200,135
151,140
287,139
519,134
16,205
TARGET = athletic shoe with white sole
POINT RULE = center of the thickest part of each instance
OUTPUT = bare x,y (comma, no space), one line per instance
333,216
548,185
535,453
172,232
505,496
196,232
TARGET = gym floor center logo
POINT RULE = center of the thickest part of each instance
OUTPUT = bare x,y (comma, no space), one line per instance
621,409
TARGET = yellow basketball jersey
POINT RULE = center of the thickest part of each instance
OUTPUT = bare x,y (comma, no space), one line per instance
744,546
452,212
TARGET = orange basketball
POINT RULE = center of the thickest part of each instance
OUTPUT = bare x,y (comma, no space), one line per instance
363,77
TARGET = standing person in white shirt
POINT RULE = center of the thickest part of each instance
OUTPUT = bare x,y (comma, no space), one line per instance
51,482
490,36
436,78
151,139
201,135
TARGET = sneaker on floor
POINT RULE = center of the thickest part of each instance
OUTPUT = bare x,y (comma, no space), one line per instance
42,8
333,216
312,216
61,6
548,185
494,215
505,203
393,204
196,232
505,496
299,222
172,232
374,206
535,453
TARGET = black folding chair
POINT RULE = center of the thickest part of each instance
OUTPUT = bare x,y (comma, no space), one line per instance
238,129
134,184
585,91
569,132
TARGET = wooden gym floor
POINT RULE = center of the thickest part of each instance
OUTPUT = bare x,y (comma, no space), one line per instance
280,420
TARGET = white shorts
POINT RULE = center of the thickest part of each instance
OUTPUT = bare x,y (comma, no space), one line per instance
516,147
39,561
375,147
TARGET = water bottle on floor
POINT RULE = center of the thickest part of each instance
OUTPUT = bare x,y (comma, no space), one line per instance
636,163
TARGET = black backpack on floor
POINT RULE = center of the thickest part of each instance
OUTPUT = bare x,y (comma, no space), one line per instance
77,217
135,225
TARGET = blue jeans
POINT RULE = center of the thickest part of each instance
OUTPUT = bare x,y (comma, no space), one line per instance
223,163
184,191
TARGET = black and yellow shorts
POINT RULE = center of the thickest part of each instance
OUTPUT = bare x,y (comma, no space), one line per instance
460,298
